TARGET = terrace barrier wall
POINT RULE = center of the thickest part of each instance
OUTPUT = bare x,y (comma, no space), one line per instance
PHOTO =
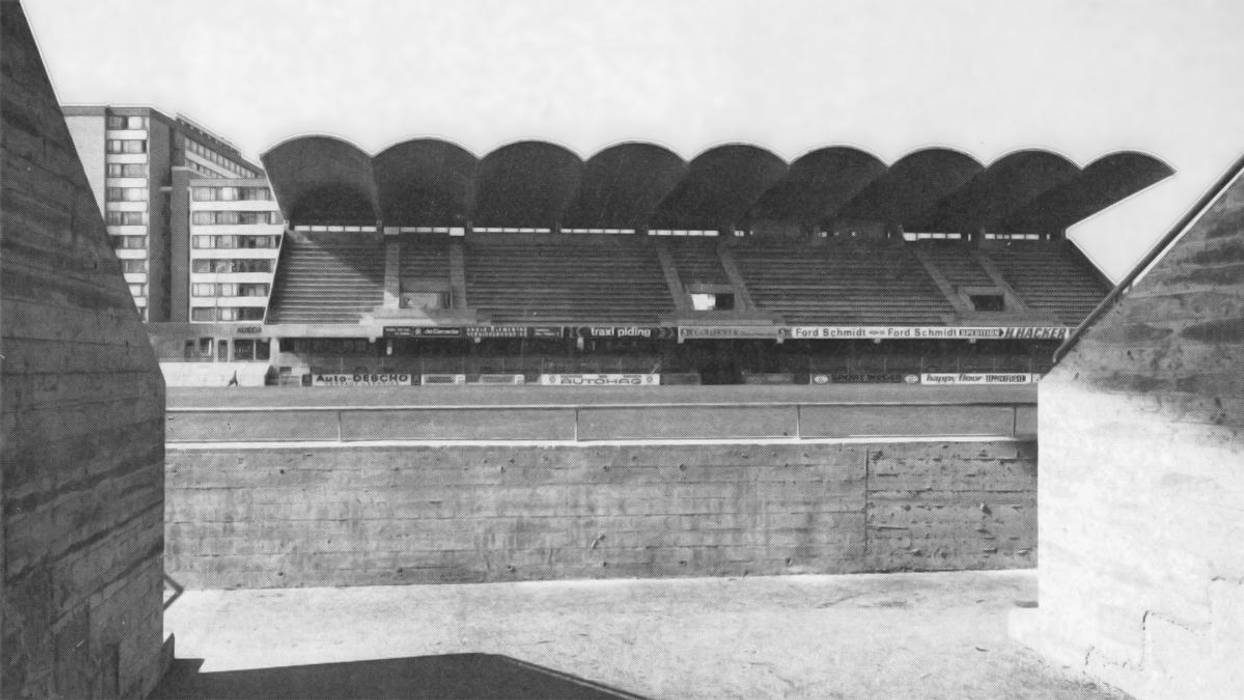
363,496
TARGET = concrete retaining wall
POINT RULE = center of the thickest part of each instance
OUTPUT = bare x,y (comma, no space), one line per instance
364,515
82,483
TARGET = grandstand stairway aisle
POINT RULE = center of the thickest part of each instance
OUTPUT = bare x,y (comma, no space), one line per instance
328,278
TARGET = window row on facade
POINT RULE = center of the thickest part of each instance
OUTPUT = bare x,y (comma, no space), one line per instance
125,194
230,194
127,170
232,265
126,146
207,349
212,313
228,289
215,157
132,123
126,218
235,218
234,241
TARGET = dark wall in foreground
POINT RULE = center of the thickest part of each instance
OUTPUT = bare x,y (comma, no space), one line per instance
82,484
1142,477
366,515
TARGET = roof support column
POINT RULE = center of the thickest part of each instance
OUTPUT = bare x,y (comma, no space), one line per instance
672,278
392,272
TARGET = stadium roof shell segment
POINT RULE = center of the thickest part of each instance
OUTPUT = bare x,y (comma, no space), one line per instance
623,185
1101,184
913,185
323,179
526,184
1006,185
818,184
537,184
722,184
426,182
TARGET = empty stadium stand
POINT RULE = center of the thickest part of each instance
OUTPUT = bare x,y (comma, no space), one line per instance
562,279
954,259
328,278
841,283
697,261
1052,276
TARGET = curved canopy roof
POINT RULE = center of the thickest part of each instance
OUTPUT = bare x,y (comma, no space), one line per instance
913,185
535,184
425,182
721,185
1103,183
1008,184
819,184
526,184
323,180
622,186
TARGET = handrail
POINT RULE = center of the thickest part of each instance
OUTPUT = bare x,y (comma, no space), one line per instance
1154,253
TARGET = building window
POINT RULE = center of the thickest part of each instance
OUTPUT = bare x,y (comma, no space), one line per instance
203,315
138,290
117,121
126,194
251,349
127,170
240,314
130,242
127,218
234,218
203,290
226,265
126,146
133,266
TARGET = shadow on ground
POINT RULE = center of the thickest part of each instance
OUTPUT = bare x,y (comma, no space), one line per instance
474,676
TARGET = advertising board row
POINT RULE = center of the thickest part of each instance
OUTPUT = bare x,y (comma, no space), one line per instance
757,332
625,379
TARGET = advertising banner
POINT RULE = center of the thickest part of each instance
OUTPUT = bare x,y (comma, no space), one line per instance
864,378
422,332
727,332
388,379
442,379
496,331
924,333
501,379
978,378
600,379
646,332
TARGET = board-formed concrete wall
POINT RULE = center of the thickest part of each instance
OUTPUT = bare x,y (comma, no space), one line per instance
1142,478
366,515
82,483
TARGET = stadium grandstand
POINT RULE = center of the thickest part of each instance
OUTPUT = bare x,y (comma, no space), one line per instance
426,264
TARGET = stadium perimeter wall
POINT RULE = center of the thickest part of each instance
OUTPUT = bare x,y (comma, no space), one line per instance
82,481
273,514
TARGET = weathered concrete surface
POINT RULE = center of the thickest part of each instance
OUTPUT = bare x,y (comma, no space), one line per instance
264,516
82,485
868,636
1142,478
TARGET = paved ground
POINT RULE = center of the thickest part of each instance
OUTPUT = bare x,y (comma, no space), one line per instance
866,636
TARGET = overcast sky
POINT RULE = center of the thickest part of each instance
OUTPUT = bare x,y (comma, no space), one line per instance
1080,77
